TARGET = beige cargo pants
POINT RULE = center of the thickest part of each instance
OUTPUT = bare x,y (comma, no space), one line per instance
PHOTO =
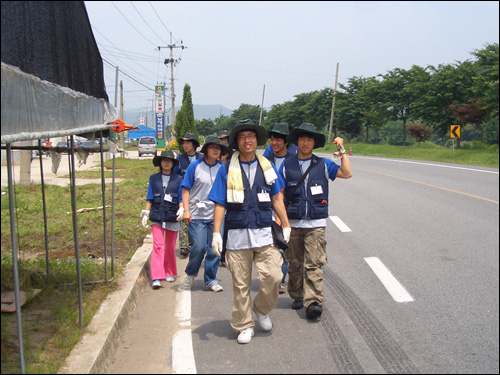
268,261
306,255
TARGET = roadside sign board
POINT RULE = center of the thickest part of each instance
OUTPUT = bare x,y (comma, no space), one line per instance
455,131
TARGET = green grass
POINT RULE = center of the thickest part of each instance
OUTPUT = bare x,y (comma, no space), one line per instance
55,311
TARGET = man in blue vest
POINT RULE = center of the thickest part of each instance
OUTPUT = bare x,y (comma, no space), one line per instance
307,212
189,145
280,152
245,190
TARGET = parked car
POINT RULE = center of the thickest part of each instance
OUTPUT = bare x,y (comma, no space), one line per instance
146,145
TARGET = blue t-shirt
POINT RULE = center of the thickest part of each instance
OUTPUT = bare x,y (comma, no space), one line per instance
199,179
331,169
292,148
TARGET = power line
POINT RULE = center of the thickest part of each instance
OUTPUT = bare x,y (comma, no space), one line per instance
130,23
147,24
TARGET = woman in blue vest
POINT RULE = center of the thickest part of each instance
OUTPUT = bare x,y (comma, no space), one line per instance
164,210
307,212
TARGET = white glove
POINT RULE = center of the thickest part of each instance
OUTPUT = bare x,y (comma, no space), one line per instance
286,234
217,244
145,216
180,213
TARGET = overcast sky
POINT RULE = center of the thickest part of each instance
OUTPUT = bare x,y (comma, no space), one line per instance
233,49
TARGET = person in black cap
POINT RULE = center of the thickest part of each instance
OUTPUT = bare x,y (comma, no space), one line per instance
246,189
308,211
223,136
291,147
280,152
199,213
189,145
164,210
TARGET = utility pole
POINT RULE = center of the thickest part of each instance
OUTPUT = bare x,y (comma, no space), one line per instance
121,116
262,105
172,62
333,105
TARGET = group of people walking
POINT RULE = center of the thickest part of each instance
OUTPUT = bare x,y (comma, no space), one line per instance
230,203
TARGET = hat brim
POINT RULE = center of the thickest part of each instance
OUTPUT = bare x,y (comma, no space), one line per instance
157,160
223,149
270,133
320,138
262,135
196,144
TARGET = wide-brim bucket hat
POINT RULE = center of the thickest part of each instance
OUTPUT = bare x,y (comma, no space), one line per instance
165,154
223,134
245,125
191,137
280,130
215,141
306,128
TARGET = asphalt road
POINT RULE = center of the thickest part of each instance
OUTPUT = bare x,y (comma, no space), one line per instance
434,227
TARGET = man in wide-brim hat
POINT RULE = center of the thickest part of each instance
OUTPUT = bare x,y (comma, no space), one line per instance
310,129
189,144
246,193
249,125
306,178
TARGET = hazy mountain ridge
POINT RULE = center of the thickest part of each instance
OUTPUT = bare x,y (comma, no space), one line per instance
201,112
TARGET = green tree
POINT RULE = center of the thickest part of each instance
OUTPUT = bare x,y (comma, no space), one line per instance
206,127
184,121
248,111
486,79
471,113
448,85
398,94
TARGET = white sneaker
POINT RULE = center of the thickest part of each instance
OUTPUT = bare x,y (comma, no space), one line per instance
170,279
215,288
264,321
245,336
188,282
156,284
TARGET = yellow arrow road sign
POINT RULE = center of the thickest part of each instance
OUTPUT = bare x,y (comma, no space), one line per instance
455,131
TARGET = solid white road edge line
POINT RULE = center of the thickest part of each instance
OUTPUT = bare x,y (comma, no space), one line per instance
393,286
340,224
182,343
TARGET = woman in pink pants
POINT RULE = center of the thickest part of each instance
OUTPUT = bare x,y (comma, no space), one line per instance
164,210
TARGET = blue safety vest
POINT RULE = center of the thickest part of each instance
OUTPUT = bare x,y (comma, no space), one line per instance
184,162
306,206
250,214
162,210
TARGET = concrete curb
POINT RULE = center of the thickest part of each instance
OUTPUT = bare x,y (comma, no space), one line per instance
92,353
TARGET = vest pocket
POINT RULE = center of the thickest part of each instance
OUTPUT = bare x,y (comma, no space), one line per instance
319,208
264,218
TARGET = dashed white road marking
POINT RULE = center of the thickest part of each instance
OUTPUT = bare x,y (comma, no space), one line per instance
340,224
393,286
